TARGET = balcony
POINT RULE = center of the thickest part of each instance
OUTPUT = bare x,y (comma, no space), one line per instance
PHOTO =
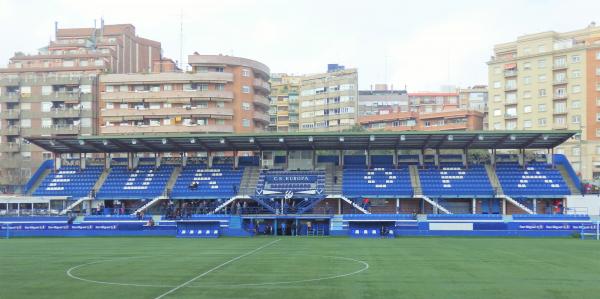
560,82
64,112
11,130
10,114
510,73
510,116
262,100
262,117
510,102
559,111
10,81
165,96
559,97
262,85
52,130
10,147
166,129
11,97
510,88
66,96
167,112
559,126
561,66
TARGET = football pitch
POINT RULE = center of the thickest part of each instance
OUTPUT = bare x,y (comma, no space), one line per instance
302,267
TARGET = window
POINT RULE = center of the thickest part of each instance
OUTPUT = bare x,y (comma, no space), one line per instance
597,132
86,122
526,80
576,74
98,62
110,105
245,73
220,104
576,119
527,94
202,87
527,51
219,86
527,123
497,112
497,84
246,106
124,88
527,65
110,88
560,61
496,70
542,92
68,63
497,126
46,90
560,107
542,107
575,59
246,89
542,78
25,106
560,77
46,106
598,55
576,89
542,122
597,86
245,123
167,87
26,122
527,109
541,63
575,151
220,122
597,150
576,104
497,98
541,48
83,63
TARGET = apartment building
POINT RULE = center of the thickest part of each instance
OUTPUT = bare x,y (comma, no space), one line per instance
475,98
55,92
222,94
551,81
284,99
329,101
428,111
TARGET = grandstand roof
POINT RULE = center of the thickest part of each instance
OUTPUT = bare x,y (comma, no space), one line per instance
304,141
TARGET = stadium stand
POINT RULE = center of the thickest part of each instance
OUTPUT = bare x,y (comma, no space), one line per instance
216,182
69,181
377,182
464,217
454,180
535,180
145,182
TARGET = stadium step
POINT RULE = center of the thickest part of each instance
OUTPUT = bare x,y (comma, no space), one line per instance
249,181
172,180
228,202
73,205
563,171
149,204
415,180
434,203
100,180
40,179
516,203
494,179
349,201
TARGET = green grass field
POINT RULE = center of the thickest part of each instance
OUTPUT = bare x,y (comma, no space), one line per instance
299,268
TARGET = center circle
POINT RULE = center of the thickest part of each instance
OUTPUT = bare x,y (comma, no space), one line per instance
289,268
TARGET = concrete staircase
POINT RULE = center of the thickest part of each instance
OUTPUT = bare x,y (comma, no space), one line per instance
494,179
332,171
249,181
172,180
100,182
563,171
40,179
434,203
415,181
517,204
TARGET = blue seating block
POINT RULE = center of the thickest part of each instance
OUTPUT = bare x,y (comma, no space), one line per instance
69,181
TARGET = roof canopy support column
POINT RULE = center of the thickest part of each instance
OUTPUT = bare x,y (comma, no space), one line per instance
57,161
368,158
493,158
287,159
550,157
236,159
209,156
82,161
183,159
158,159
341,158
522,157
436,157
421,154
395,158
130,161
465,153
314,159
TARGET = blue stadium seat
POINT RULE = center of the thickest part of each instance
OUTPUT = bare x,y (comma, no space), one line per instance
454,180
69,181
145,182
377,182
216,182
536,180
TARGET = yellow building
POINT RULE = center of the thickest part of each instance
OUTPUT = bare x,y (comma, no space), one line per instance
550,81
285,91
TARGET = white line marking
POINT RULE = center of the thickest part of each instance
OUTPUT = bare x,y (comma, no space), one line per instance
216,268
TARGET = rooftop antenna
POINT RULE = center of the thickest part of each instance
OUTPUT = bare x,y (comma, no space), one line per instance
181,39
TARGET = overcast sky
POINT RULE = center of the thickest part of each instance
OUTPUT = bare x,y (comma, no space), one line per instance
420,44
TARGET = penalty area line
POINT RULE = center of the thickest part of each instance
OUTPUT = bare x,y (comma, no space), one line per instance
215,268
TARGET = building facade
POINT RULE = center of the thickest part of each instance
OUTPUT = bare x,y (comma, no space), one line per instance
427,111
551,81
222,94
284,99
475,98
329,101
55,92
